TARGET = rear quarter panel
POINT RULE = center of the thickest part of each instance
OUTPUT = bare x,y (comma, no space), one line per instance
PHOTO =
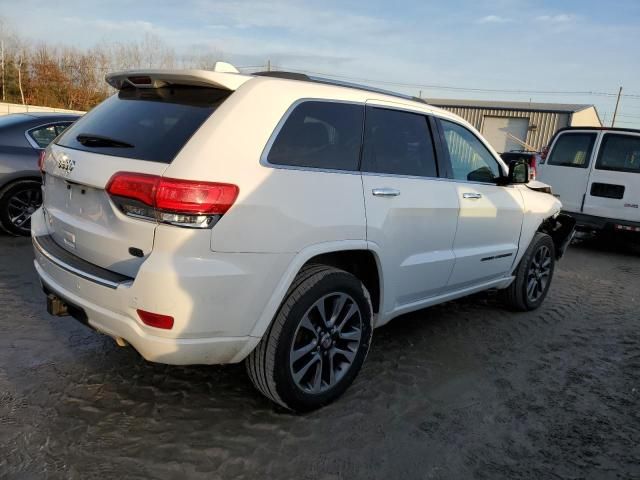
278,210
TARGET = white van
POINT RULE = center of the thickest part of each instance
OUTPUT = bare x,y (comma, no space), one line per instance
595,172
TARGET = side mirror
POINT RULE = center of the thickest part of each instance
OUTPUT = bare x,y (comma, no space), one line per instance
518,172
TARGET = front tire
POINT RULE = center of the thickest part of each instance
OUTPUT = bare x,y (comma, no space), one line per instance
317,342
533,275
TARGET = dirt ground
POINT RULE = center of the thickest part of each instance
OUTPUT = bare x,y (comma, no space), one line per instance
462,390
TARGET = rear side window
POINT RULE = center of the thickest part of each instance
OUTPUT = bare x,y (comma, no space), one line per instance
620,153
320,135
572,150
43,136
145,124
399,143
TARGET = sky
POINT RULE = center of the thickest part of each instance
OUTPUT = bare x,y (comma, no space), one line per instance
445,49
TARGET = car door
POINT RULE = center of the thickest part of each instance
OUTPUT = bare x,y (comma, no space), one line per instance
613,190
567,167
411,214
490,216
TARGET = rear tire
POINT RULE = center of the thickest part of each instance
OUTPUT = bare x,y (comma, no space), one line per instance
317,342
18,201
533,275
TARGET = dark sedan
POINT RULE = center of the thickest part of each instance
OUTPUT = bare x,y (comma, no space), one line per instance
22,137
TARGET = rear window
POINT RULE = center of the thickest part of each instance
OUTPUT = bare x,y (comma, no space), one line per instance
145,124
572,150
620,153
320,135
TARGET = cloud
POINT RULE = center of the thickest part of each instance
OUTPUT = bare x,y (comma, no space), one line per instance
493,19
559,18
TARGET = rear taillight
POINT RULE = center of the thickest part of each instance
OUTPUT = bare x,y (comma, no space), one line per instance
156,320
544,154
533,166
41,161
185,203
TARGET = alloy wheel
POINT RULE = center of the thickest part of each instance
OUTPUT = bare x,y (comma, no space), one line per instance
539,273
21,206
325,343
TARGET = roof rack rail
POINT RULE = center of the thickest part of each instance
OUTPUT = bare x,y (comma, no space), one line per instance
338,83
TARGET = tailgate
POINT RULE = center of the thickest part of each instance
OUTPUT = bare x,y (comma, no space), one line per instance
138,131
83,220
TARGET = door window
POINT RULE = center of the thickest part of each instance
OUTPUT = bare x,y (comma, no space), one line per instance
470,159
319,134
620,153
398,143
572,150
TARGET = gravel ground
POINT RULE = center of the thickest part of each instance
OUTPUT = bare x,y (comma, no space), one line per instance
462,390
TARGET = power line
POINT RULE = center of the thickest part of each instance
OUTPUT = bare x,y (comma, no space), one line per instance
457,88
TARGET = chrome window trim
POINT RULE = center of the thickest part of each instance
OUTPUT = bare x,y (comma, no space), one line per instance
32,141
65,266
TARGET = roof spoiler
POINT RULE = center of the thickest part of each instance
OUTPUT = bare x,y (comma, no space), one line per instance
224,78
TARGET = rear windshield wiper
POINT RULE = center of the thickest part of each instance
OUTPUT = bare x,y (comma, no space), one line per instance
91,140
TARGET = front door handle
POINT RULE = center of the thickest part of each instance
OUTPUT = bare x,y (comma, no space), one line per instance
385,192
472,196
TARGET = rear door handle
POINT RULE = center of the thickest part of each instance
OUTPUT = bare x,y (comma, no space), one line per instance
385,192
472,196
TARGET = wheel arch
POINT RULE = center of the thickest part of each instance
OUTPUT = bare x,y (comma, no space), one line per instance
353,256
560,228
14,177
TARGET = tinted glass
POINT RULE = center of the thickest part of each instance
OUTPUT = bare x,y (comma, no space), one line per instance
470,159
61,127
572,150
398,143
148,124
43,136
620,153
320,135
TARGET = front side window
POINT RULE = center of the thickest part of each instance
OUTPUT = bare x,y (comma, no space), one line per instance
572,150
470,159
398,142
620,153
320,134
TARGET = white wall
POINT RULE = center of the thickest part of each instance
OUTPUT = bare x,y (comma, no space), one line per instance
7,108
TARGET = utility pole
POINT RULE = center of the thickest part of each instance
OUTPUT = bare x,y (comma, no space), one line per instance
615,112
420,94
268,65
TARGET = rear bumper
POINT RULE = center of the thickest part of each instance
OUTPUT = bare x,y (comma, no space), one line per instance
174,351
592,222
214,298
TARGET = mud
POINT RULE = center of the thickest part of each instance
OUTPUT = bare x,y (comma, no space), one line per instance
463,390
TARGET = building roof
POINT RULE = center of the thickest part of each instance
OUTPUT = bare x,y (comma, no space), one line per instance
500,105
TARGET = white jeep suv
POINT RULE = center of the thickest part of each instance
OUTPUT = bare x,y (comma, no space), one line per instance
212,217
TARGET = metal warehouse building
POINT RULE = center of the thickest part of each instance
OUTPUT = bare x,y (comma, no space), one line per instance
520,125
